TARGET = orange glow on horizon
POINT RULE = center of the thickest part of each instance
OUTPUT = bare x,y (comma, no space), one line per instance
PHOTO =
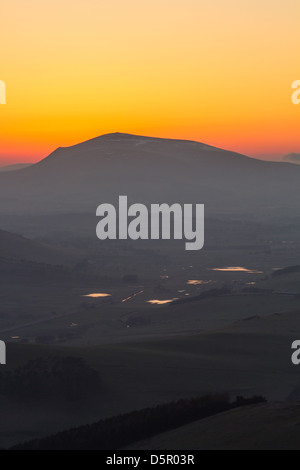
215,72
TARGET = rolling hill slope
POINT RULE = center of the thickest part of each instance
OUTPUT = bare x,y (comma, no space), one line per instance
271,426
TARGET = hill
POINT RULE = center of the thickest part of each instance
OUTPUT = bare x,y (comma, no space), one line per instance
292,158
16,167
120,430
148,170
15,247
270,426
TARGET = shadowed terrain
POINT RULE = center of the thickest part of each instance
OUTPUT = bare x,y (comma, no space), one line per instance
156,323
271,426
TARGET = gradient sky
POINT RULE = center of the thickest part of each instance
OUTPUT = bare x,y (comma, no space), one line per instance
216,71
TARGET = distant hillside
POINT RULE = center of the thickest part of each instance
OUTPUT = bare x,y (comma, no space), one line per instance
16,167
148,170
292,158
15,247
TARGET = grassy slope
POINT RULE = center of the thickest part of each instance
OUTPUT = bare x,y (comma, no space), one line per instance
272,426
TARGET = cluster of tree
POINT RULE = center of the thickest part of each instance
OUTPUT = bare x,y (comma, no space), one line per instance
122,430
52,378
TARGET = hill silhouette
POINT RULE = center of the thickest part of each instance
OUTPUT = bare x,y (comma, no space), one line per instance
147,170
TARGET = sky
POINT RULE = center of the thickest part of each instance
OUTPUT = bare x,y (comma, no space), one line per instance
215,71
